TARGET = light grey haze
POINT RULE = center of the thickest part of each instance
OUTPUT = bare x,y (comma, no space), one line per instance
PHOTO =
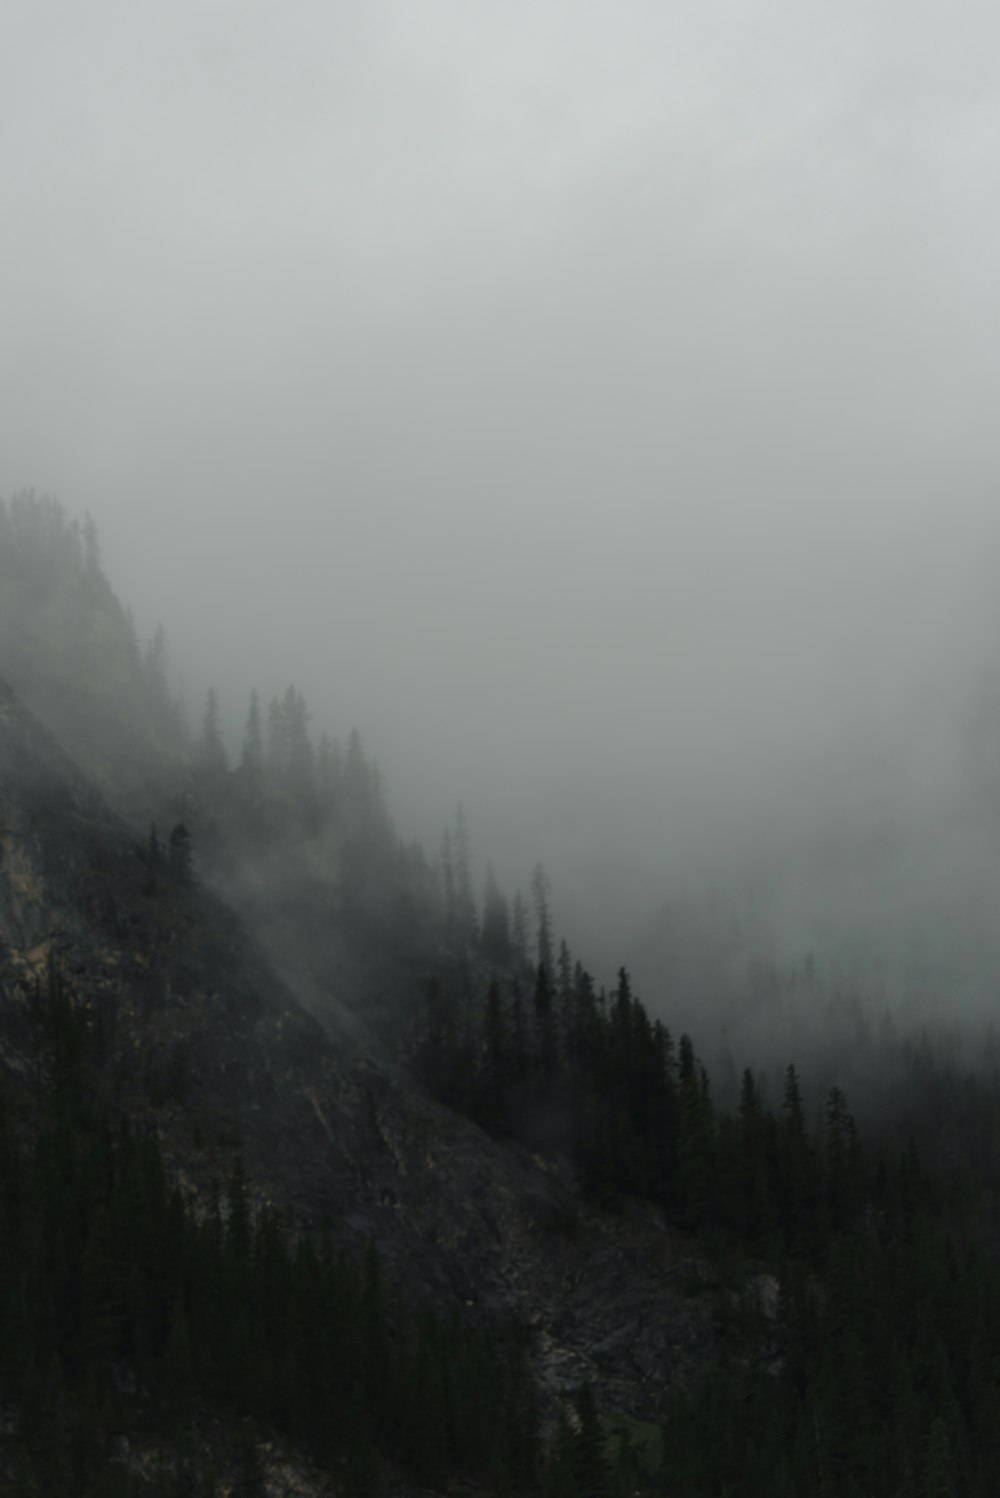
594,403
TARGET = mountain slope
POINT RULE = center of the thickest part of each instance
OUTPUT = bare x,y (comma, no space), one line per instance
152,1032
201,1041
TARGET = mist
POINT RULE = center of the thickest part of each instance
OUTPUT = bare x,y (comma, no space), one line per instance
591,405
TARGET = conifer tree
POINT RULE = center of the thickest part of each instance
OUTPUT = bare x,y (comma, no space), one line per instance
796,1183
447,866
519,929
621,1032
792,1111
156,671
91,551
301,761
253,749
496,1061
546,1037
210,752
695,1175
277,745
358,789
495,940
540,890
465,905
520,1058
329,773
564,968
842,1161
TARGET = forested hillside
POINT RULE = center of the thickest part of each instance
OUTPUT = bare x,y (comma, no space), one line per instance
361,1174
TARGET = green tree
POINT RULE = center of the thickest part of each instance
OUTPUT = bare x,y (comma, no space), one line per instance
519,929
465,918
546,1034
540,891
210,751
495,940
496,1060
252,761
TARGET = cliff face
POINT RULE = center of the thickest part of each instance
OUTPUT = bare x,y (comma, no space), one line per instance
200,1039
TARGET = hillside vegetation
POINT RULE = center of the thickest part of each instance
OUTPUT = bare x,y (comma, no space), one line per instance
391,1185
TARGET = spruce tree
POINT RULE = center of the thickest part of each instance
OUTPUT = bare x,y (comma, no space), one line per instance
519,930
252,760
496,1060
465,920
495,939
540,889
210,752
546,1034
447,867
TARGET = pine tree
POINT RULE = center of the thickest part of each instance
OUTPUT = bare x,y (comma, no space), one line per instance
465,920
754,1214
359,795
301,759
791,1107
210,752
842,1161
520,1056
540,890
621,1033
446,864
564,968
695,1174
519,930
329,774
496,1060
91,551
796,1174
495,940
253,749
546,1036
277,745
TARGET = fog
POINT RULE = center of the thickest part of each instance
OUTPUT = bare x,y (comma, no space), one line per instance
593,404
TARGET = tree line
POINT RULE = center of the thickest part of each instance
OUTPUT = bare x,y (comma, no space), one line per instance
877,1369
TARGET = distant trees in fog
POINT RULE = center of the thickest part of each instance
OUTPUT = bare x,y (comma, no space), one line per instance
67,644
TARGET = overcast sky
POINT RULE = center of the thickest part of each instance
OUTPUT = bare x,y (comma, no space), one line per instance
594,403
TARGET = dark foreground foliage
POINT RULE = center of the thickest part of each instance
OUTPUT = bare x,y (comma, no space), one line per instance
124,1311
863,1351
875,1371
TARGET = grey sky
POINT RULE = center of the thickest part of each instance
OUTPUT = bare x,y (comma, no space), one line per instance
593,402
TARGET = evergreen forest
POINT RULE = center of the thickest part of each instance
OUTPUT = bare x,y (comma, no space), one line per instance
848,1264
